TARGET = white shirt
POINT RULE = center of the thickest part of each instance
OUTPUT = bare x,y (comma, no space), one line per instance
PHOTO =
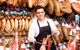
34,28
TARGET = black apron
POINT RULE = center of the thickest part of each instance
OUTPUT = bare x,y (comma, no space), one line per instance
44,31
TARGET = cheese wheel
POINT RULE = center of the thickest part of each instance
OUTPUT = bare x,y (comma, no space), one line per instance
76,7
50,7
12,24
26,24
3,21
8,26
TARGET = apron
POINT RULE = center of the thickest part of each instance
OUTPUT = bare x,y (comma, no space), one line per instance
44,31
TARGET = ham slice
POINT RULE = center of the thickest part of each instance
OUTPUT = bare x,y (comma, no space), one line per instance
76,7
3,21
8,26
50,7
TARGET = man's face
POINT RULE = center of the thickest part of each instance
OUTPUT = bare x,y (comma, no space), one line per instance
40,13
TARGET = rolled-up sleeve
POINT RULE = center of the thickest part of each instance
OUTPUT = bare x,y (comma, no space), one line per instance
31,32
53,27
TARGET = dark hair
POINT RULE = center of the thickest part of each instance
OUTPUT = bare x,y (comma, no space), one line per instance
38,7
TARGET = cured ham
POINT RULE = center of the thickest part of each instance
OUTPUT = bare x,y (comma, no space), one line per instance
57,8
10,1
41,2
3,21
2,0
15,2
0,25
19,2
12,24
24,3
23,24
29,24
7,26
26,24
20,24
76,7
31,3
50,7
66,6
16,24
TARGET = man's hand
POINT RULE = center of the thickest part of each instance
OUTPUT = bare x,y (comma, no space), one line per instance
31,39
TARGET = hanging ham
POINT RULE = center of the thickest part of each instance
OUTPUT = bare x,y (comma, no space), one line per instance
0,25
50,7
15,2
1,1
16,24
31,3
8,26
23,24
3,21
41,2
12,24
66,7
57,8
76,7
20,24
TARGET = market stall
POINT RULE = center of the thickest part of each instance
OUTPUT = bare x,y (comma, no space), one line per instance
16,17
